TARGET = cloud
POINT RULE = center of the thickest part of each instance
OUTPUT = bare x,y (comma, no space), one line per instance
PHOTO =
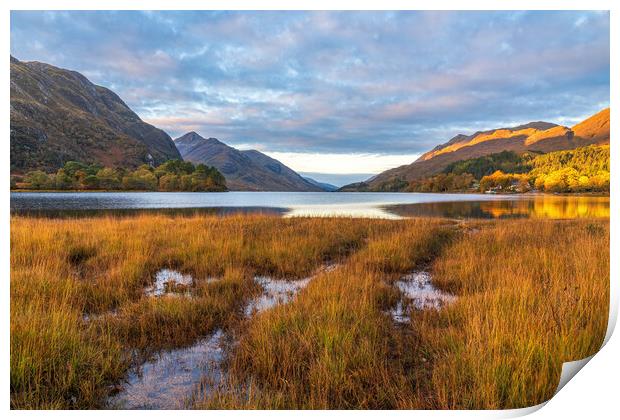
343,163
336,83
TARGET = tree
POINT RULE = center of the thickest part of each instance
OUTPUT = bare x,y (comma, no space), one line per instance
169,182
38,180
142,179
109,179
63,181
185,183
600,181
523,184
90,182
174,166
173,175
72,167
497,179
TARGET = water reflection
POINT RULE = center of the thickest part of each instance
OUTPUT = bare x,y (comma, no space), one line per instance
368,211
540,206
112,212
167,381
287,204
419,293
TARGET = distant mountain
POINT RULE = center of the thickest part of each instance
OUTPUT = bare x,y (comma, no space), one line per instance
535,136
248,170
355,187
337,179
58,115
323,185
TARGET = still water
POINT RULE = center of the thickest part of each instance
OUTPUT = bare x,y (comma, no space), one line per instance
319,204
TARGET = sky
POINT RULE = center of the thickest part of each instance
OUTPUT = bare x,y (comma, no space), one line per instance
346,93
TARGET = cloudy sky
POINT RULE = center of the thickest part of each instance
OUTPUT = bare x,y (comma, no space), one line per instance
333,92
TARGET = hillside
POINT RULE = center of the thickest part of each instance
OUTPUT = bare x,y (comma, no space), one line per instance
580,170
541,137
248,170
58,115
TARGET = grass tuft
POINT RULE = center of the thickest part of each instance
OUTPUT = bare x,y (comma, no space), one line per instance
531,294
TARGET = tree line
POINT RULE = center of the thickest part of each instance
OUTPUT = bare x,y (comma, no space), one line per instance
173,175
585,169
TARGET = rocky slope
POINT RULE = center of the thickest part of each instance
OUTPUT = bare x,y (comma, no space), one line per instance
536,136
248,170
58,115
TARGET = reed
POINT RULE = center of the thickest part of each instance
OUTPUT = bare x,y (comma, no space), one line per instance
334,346
531,294
62,270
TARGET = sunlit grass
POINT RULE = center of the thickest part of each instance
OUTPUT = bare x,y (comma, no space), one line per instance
531,294
64,269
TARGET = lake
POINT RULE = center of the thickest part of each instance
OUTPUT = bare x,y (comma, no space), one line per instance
314,204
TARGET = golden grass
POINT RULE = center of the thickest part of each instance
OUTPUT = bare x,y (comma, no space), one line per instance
531,294
334,347
63,269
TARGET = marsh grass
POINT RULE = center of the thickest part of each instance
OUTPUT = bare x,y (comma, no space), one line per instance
334,346
62,270
531,294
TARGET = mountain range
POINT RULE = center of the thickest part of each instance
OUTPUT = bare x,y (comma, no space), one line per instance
245,170
537,136
58,115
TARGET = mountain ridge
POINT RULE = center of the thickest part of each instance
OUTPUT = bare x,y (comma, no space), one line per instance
244,170
58,115
323,185
536,136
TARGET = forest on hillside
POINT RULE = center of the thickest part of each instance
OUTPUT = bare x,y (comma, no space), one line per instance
172,175
585,169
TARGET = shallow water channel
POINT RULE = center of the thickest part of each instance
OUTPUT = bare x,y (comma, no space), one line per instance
419,293
169,282
171,378
167,381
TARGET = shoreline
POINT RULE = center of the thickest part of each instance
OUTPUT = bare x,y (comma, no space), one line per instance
537,194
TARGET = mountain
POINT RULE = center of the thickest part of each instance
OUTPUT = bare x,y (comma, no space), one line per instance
58,115
337,180
323,185
248,170
535,136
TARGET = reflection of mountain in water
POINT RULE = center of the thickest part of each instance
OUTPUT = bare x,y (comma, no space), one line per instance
192,211
551,207
382,205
